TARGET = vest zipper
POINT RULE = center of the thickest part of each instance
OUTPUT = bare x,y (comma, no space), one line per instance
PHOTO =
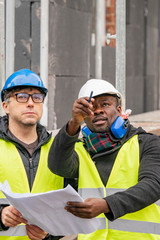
31,173
30,163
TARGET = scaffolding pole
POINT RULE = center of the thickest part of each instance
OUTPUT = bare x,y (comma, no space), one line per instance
10,36
121,49
99,36
44,54
2,47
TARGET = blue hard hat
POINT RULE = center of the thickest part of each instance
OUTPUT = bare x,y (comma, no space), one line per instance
23,77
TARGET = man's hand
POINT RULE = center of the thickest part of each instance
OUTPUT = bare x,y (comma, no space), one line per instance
35,233
11,217
81,109
90,208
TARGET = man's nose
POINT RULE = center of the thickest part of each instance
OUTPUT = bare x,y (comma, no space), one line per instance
98,110
30,101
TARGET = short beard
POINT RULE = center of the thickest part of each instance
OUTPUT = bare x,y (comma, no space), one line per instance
101,130
29,124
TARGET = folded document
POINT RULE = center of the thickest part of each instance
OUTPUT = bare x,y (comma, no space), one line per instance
46,210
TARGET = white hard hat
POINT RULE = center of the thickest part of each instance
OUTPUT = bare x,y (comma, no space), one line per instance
99,87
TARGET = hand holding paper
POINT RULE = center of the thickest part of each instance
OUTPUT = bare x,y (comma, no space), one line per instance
11,217
46,210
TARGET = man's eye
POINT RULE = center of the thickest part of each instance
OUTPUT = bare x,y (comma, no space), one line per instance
21,96
37,97
105,104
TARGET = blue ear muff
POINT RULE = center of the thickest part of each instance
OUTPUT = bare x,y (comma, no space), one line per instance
85,131
119,127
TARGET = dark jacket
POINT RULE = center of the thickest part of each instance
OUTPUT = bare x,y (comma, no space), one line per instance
30,166
64,161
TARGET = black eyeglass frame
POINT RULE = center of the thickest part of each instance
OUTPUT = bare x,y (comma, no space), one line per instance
32,96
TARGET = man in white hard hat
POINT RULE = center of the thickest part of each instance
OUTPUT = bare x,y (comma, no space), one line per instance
117,166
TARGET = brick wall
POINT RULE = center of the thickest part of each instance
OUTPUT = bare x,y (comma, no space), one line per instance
111,20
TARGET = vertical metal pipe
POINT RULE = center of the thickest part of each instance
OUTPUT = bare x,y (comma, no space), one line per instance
99,36
145,56
10,36
2,47
44,54
2,42
121,49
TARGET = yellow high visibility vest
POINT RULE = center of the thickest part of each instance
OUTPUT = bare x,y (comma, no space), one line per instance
12,169
141,225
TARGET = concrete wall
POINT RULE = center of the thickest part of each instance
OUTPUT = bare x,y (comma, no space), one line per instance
152,56
27,35
135,54
142,56
71,56
69,50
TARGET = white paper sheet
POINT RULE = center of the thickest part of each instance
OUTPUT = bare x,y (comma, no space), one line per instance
46,210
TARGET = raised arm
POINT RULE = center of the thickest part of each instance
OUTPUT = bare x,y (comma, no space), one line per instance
63,160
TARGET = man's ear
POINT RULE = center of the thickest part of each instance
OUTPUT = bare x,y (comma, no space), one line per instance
119,109
5,107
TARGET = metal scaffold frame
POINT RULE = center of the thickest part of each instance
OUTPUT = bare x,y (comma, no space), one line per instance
121,49
120,36
7,45
2,42
10,36
44,54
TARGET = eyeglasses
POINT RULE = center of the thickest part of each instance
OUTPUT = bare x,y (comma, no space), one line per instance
24,97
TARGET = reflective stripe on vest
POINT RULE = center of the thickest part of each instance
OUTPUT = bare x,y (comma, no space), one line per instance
91,192
11,165
143,224
130,226
157,203
4,201
99,193
17,231
135,226
120,224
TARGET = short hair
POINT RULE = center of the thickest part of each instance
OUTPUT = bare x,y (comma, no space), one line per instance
8,93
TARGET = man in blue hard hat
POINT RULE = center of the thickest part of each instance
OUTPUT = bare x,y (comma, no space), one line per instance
117,166
23,156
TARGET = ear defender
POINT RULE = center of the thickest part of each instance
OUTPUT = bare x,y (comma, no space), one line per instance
85,131
119,127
